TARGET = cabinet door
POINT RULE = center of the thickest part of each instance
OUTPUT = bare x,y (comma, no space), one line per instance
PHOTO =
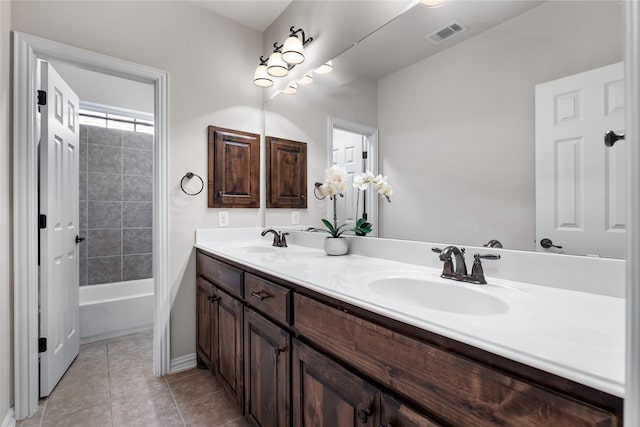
234,168
227,344
286,173
205,297
327,395
396,414
267,373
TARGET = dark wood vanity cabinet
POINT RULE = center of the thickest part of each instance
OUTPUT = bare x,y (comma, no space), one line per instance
219,314
267,371
311,360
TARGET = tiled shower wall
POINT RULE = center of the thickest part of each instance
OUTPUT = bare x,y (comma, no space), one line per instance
116,189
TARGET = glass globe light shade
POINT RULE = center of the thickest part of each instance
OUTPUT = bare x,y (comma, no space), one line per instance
293,51
261,77
325,68
276,67
307,79
291,89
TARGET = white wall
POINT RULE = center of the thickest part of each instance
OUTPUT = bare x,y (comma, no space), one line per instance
6,294
210,61
457,129
104,89
303,117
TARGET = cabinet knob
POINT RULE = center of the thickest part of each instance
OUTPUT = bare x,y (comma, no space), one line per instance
278,350
220,193
212,298
364,414
302,196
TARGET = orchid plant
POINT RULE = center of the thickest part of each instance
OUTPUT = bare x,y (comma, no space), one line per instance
334,184
362,183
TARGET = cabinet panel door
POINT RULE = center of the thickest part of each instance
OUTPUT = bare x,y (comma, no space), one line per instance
286,173
204,318
234,168
396,414
228,345
267,373
327,395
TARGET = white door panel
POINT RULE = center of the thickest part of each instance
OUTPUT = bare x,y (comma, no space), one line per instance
347,152
59,194
580,183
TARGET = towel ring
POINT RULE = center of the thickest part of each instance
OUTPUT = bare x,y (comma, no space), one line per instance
190,175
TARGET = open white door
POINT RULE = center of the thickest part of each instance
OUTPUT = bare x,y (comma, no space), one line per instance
59,194
581,184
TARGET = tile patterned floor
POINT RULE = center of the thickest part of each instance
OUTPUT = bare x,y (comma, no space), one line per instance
111,383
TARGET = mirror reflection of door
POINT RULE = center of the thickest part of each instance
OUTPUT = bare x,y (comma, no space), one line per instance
348,149
580,183
353,146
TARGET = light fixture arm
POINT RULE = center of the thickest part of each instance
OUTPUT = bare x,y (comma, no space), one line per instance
277,48
263,60
294,33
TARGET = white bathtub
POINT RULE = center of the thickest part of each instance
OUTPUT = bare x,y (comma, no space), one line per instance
115,309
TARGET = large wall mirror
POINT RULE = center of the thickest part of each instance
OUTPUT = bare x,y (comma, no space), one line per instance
458,94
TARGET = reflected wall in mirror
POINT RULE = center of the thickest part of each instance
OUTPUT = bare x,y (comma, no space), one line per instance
457,119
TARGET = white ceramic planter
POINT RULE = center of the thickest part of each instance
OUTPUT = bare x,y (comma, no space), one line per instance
336,245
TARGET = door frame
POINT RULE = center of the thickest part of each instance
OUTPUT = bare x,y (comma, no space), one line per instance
27,50
372,161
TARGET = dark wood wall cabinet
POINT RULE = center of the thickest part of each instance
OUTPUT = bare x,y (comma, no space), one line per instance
286,173
234,168
292,357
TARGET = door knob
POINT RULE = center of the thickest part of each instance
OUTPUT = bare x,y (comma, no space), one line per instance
364,415
547,243
79,239
611,137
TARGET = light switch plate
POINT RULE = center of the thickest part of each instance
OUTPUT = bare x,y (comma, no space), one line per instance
223,219
295,217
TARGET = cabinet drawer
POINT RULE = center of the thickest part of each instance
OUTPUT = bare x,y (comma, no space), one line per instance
269,298
453,388
227,277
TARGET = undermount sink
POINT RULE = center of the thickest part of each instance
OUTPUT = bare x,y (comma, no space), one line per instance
433,295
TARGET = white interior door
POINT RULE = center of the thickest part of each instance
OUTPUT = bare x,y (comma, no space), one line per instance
580,183
59,194
347,152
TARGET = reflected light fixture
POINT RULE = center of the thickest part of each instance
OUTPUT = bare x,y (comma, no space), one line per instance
284,57
291,89
434,3
261,77
307,79
325,68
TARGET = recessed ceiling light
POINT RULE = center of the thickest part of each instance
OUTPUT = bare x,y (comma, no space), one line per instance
307,79
325,68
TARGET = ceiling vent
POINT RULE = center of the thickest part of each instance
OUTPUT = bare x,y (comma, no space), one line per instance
445,33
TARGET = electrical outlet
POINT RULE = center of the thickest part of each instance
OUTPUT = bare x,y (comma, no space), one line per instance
295,217
223,219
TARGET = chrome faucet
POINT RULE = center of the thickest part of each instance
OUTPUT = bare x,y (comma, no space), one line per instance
493,243
450,253
279,239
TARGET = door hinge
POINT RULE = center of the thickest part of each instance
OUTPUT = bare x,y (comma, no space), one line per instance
42,221
42,97
42,345
364,155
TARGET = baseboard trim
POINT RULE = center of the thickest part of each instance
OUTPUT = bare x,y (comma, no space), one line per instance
115,334
183,363
9,419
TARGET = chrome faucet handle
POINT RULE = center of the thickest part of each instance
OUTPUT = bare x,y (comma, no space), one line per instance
436,250
493,243
477,272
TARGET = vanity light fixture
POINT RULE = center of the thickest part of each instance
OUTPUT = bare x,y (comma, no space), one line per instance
307,79
276,67
261,77
325,68
291,89
434,3
284,57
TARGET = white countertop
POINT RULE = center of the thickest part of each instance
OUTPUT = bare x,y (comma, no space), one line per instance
576,335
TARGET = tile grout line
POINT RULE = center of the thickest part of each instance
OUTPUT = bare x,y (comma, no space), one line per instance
175,402
44,411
